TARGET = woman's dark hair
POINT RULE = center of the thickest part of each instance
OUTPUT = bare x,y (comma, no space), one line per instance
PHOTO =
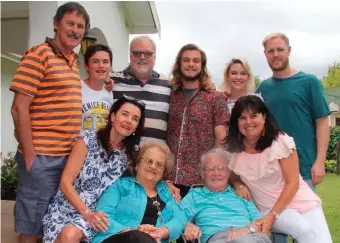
256,105
95,48
71,7
131,143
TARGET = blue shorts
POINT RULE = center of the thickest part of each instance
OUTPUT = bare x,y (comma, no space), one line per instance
35,190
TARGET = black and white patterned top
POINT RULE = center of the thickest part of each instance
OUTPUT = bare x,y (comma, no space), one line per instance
98,172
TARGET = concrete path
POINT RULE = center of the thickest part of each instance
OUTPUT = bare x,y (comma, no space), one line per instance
7,223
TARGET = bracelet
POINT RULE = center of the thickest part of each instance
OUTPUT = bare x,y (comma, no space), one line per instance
240,186
276,215
87,212
169,182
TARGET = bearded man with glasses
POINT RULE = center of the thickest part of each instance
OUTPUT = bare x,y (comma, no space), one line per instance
140,81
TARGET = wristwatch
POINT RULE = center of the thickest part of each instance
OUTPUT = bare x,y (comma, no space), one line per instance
276,215
251,229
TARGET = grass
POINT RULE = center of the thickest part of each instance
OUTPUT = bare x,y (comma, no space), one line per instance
329,192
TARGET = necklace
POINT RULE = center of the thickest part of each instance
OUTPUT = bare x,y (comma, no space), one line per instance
116,147
157,205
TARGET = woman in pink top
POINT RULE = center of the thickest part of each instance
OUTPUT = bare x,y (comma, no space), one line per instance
266,161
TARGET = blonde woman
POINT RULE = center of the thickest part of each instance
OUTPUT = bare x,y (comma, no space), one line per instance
238,80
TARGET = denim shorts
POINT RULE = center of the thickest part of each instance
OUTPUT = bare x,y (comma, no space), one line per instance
35,190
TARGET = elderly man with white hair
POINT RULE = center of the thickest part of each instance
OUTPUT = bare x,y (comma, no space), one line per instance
218,213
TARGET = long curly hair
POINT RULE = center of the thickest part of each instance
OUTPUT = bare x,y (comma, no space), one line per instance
131,143
177,76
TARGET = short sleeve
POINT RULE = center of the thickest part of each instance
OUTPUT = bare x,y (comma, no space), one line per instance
318,100
263,164
29,74
252,209
281,148
90,138
221,114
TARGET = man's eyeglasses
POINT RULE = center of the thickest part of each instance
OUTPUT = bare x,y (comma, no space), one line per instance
138,54
133,99
159,165
213,168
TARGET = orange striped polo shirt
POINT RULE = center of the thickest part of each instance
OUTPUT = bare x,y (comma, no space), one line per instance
52,79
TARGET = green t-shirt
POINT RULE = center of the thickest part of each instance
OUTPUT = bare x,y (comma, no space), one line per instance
296,102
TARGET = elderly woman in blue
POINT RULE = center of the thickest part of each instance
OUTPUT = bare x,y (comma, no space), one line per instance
141,208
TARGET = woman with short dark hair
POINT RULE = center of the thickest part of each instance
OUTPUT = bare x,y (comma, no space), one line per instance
266,160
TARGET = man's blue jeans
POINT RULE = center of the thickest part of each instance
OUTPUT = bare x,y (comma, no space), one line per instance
283,238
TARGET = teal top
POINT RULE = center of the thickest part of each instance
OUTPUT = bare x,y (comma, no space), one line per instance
296,102
217,211
124,202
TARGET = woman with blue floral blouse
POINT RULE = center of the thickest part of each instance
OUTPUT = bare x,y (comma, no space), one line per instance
97,160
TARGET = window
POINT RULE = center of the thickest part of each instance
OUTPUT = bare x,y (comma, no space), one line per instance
337,121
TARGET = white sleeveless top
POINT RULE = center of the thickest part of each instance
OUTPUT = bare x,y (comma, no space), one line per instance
95,107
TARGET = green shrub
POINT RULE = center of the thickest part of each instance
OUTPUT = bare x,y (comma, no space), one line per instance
9,177
334,137
330,166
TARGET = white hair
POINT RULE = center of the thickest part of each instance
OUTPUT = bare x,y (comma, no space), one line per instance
217,152
143,37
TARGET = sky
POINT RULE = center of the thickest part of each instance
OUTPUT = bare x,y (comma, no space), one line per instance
226,29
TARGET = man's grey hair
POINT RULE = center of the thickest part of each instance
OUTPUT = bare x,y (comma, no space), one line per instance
142,37
217,152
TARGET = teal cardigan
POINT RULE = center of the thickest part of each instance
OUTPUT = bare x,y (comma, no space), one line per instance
124,202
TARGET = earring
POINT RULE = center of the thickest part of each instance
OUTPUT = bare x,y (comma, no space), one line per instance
133,134
263,132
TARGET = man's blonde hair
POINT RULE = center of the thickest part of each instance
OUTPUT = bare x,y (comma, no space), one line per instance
273,36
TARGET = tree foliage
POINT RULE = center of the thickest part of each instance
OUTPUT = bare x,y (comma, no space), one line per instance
333,140
257,81
332,79
9,177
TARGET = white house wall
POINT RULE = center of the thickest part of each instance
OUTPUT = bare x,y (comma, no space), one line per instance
8,142
109,17
41,21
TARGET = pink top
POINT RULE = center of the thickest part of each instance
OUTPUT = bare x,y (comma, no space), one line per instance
262,174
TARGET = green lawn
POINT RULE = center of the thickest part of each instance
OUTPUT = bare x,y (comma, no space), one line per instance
329,192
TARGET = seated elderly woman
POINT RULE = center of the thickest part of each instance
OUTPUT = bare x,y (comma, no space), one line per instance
141,208
266,160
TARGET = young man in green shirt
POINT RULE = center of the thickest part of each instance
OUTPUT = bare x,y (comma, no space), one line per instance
298,103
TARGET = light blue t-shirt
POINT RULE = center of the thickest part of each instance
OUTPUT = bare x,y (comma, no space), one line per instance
296,102
217,211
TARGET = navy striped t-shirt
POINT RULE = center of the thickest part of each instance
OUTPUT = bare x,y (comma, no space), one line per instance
155,93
